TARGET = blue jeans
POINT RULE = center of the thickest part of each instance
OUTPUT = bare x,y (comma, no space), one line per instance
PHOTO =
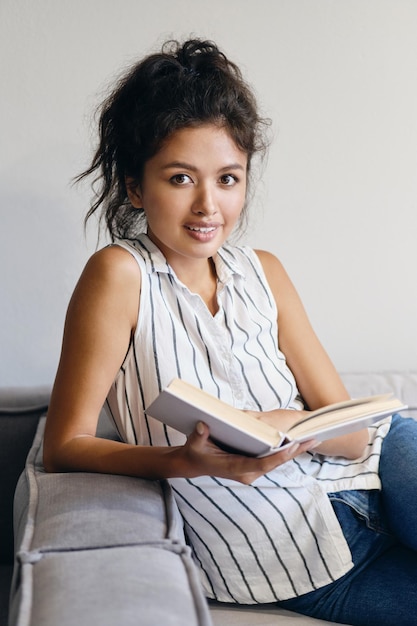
381,530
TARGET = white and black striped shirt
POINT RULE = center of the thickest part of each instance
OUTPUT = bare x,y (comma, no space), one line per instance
277,538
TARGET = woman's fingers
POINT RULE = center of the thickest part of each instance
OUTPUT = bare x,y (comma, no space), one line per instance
211,460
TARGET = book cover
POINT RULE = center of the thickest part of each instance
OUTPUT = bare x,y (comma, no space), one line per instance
181,406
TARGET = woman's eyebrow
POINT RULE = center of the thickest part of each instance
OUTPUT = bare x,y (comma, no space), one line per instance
179,165
193,168
233,166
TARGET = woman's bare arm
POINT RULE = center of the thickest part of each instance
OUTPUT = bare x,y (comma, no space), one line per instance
98,328
315,374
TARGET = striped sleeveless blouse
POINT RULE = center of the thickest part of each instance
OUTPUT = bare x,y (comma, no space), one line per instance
278,537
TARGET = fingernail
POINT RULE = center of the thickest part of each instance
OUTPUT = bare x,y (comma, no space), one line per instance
200,428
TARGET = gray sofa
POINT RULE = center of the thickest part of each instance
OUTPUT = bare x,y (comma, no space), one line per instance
110,549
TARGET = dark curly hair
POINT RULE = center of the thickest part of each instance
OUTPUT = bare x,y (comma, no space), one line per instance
184,85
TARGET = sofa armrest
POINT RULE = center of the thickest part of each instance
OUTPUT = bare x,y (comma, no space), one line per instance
20,410
97,548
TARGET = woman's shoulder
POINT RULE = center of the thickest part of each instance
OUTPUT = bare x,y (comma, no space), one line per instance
246,254
109,284
246,251
110,271
268,269
247,260
269,261
275,273
113,262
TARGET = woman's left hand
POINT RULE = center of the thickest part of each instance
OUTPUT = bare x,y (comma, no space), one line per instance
350,446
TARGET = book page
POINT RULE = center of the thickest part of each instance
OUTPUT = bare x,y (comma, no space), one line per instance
343,406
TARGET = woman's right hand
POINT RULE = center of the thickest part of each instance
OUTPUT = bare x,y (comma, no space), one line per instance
201,457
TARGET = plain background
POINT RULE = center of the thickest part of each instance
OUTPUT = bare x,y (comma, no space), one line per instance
338,198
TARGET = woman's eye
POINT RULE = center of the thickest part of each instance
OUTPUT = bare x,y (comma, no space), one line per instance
180,179
228,179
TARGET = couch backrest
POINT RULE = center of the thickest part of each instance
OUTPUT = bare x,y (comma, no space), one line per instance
20,410
402,384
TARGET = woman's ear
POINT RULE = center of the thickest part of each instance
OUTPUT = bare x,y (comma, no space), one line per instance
133,192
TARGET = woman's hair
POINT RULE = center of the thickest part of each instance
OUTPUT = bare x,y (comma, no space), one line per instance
185,85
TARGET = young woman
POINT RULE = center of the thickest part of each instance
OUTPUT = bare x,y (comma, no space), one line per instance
326,529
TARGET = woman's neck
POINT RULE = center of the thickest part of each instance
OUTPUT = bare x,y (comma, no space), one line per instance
201,280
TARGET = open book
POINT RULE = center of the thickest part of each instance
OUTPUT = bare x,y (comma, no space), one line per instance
181,406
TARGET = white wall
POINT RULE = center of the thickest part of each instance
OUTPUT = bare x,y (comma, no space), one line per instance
339,199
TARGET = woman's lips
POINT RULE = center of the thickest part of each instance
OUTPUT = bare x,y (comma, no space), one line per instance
202,232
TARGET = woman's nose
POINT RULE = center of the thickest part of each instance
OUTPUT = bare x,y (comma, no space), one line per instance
205,202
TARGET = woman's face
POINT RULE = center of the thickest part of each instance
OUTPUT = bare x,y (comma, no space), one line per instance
193,192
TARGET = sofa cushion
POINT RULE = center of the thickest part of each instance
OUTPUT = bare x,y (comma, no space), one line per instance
108,547
124,586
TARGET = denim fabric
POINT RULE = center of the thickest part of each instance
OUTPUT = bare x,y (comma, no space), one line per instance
381,530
